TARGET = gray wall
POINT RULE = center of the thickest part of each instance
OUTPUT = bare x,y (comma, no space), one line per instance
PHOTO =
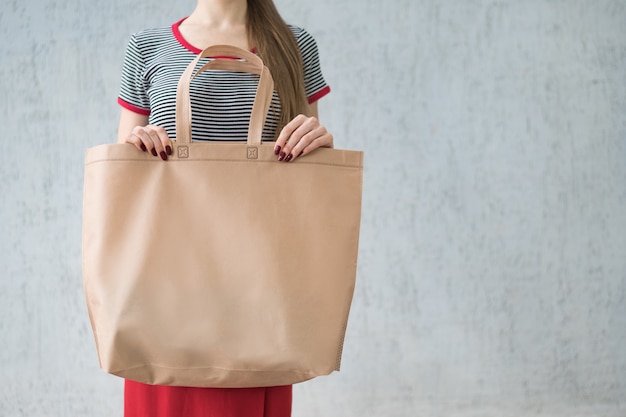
492,276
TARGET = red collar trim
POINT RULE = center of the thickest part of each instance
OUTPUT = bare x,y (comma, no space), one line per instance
181,40
179,37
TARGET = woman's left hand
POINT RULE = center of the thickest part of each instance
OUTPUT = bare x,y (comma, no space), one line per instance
301,136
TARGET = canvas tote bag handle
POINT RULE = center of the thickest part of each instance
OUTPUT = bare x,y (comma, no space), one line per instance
246,62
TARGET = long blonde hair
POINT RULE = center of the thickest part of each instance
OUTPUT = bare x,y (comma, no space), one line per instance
279,51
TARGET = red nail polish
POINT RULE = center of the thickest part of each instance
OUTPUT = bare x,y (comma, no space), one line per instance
300,154
276,150
153,151
143,147
163,156
168,149
281,156
289,158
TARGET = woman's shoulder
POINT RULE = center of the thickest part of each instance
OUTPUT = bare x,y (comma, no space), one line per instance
304,39
153,43
299,32
152,34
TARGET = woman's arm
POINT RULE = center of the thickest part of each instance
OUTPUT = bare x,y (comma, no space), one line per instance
134,128
302,135
128,121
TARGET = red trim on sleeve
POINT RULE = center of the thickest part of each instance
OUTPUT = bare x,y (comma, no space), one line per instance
133,108
319,94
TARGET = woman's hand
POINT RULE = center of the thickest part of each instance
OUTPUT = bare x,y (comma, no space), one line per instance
301,136
145,137
151,139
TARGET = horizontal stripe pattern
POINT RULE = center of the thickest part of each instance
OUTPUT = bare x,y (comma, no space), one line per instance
221,101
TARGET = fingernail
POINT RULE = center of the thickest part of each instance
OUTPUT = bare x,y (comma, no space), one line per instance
276,150
168,149
289,158
153,152
163,156
300,154
281,156
143,147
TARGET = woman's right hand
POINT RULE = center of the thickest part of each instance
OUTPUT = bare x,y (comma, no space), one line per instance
151,139
145,137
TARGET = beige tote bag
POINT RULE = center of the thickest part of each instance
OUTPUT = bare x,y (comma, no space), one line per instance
220,267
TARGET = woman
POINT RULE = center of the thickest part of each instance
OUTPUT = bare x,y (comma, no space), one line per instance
221,103
155,58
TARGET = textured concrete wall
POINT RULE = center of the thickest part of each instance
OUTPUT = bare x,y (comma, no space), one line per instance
492,276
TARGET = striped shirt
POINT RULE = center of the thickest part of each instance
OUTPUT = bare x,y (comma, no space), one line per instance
221,101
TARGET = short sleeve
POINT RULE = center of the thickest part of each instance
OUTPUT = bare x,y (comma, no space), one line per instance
133,89
314,84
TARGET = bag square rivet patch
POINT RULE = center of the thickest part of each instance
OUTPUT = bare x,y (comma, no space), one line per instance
253,153
183,152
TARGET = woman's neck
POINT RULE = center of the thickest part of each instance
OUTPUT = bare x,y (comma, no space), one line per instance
217,22
219,13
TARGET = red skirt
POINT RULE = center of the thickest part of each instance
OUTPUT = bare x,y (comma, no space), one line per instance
141,400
